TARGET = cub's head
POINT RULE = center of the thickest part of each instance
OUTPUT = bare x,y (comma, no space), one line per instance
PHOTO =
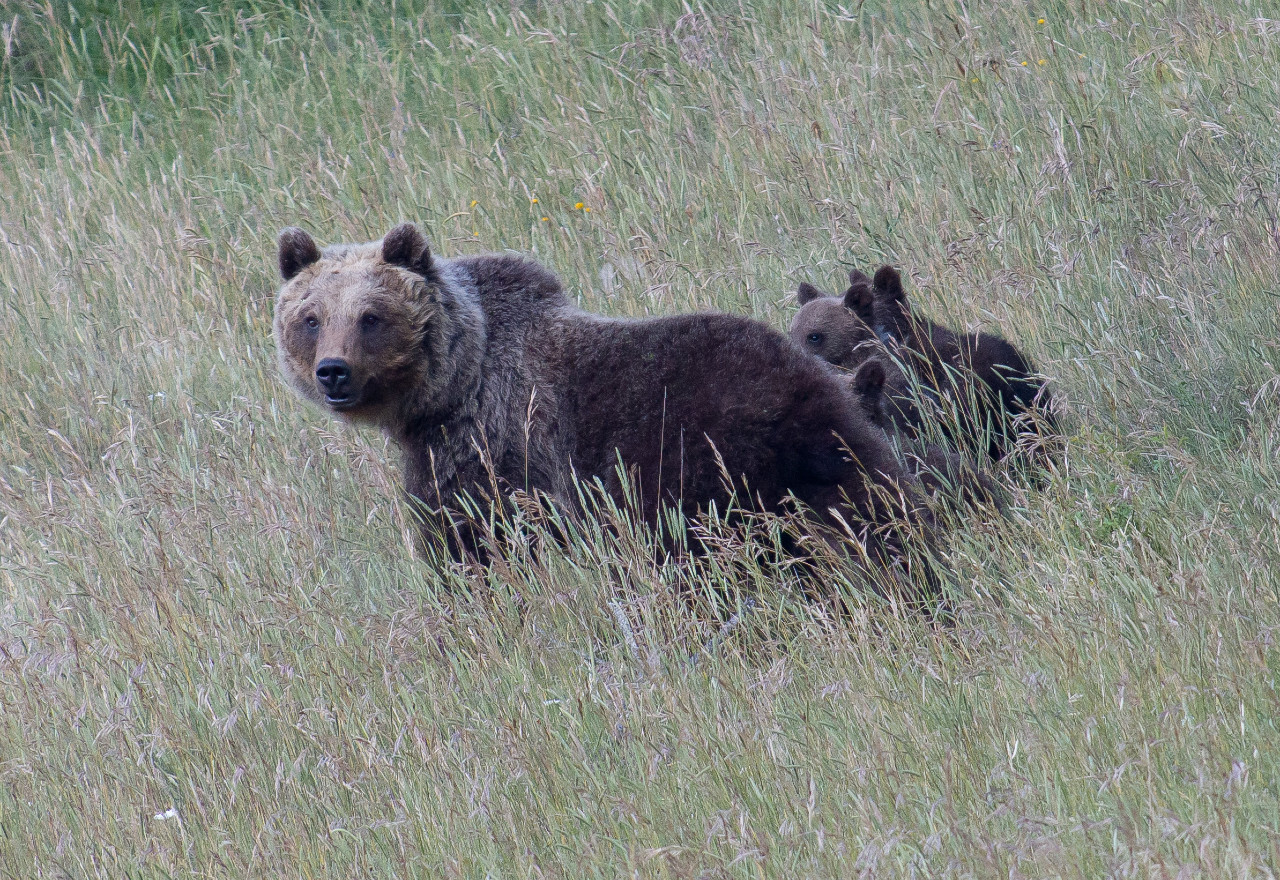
350,320
890,308
887,396
836,329
868,389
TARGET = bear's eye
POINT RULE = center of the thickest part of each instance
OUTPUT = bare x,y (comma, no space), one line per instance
311,321
815,338
370,321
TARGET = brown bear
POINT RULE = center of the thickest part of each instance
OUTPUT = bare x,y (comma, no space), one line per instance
838,330
976,387
491,381
1000,399
944,472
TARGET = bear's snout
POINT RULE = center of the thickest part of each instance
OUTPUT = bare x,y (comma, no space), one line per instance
334,375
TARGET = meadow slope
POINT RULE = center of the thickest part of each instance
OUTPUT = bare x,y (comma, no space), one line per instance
217,656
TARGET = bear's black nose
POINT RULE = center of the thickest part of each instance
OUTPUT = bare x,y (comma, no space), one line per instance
333,374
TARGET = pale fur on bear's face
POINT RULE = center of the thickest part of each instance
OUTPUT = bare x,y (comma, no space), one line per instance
831,328
349,308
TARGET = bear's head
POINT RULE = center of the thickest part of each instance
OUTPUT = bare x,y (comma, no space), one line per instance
867,385
886,395
351,321
846,331
890,310
836,329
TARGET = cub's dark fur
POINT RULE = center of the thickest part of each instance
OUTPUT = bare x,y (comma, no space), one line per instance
491,381
944,472
838,330
991,381
986,389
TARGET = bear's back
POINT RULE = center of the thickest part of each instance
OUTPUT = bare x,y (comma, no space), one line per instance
513,290
700,368
675,398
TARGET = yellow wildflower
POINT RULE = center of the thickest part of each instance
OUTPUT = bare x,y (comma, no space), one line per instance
1041,62
1024,64
1041,21
578,206
474,203
533,201
546,219
588,210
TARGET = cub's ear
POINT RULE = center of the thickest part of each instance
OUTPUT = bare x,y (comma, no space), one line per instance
856,277
888,286
406,247
297,252
807,293
860,298
868,381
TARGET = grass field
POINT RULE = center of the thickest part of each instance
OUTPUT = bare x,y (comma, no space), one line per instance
217,656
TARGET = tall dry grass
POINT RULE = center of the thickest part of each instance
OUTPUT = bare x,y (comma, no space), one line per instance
218,659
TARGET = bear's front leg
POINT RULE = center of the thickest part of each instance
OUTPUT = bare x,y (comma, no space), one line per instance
453,507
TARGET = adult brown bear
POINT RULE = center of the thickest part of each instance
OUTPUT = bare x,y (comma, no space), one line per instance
491,381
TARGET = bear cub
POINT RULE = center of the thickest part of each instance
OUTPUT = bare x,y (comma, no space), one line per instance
492,382
980,389
838,330
945,473
1000,397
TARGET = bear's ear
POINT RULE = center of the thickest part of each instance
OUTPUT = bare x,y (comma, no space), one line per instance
406,247
297,252
889,286
860,298
868,381
857,276
807,293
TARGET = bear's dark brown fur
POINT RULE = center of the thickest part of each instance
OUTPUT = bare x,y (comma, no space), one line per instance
491,381
838,330
981,390
992,383
944,472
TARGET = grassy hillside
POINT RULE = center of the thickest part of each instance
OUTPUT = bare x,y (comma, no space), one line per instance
217,657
